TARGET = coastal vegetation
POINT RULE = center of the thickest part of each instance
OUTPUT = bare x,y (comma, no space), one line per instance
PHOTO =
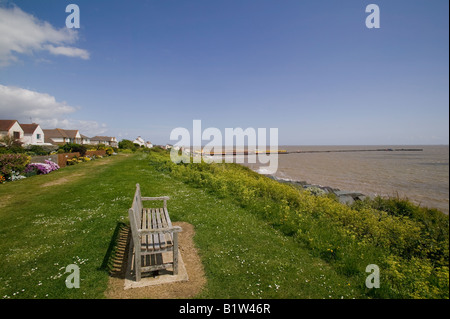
410,244
257,238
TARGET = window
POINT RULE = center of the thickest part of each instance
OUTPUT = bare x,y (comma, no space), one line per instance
16,135
38,136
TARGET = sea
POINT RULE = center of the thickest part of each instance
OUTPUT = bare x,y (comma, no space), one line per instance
419,173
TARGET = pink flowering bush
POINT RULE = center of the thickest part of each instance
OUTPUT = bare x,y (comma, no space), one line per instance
53,165
42,168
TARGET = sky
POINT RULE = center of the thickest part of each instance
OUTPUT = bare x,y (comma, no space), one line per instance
310,68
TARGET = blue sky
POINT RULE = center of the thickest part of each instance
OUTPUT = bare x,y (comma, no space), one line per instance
312,69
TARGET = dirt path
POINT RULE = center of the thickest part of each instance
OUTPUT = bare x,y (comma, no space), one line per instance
176,290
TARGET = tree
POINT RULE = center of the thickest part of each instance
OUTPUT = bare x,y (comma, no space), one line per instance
127,144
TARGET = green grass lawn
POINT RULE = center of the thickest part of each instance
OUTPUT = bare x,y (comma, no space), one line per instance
69,217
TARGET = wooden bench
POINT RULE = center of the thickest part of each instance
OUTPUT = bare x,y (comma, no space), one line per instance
152,234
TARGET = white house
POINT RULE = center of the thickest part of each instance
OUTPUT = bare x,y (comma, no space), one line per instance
107,140
33,134
85,139
11,128
140,141
148,144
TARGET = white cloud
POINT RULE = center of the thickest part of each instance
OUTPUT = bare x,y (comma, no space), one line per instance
68,51
22,104
22,33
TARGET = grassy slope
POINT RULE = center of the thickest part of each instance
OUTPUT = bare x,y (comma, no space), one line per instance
44,229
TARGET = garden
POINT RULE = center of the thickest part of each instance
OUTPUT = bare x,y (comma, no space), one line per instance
16,162
17,166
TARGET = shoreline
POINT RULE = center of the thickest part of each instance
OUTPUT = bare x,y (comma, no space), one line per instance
344,197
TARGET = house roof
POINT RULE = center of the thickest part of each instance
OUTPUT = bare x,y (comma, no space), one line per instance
102,138
29,128
5,125
58,132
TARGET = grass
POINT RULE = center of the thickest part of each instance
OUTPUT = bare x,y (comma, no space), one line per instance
45,228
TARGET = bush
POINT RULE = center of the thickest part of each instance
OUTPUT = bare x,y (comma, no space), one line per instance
125,151
109,151
72,148
41,149
127,145
101,146
13,162
42,168
37,150
72,161
31,171
11,145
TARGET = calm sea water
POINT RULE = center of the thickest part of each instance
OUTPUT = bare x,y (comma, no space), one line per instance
422,177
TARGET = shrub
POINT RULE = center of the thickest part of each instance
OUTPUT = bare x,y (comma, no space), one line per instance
37,150
42,168
127,144
109,151
72,147
13,162
72,161
82,159
125,151
11,145
31,171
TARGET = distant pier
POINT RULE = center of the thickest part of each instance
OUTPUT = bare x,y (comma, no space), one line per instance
237,152
373,150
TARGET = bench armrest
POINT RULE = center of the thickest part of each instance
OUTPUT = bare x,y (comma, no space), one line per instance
155,198
174,229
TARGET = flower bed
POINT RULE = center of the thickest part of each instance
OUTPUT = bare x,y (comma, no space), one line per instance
41,168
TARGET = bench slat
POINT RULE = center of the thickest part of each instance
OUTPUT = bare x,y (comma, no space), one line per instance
156,244
142,223
156,267
162,237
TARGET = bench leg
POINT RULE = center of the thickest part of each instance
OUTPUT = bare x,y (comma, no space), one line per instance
138,266
137,261
175,253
